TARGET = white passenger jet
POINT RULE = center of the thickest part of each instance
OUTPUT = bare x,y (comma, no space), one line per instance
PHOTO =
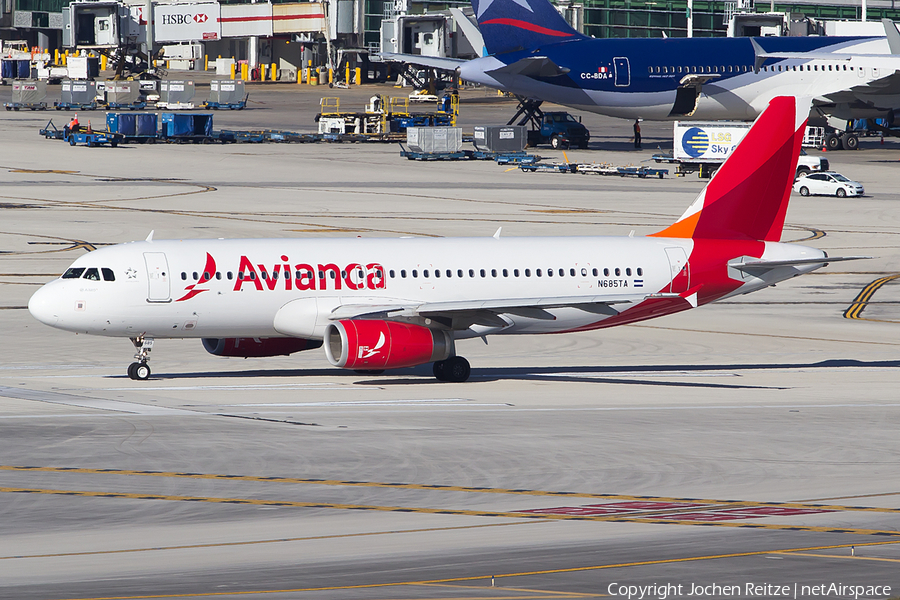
389,303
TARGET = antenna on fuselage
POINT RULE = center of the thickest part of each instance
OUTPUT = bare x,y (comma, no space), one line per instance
150,237
497,234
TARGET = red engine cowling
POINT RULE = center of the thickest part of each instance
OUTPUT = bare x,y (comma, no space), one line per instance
257,347
373,345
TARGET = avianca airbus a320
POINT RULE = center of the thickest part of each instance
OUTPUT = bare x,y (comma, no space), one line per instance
388,303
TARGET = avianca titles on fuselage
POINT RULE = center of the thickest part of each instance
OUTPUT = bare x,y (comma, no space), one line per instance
389,303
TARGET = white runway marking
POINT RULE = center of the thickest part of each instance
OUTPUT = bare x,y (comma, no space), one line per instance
359,403
95,403
621,374
276,386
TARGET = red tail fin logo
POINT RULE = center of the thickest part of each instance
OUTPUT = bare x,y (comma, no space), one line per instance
747,198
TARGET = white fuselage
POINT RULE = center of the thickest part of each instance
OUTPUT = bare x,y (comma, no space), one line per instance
161,288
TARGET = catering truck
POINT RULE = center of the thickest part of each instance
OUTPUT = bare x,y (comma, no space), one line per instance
703,146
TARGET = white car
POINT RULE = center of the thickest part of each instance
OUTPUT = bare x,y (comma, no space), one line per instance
828,183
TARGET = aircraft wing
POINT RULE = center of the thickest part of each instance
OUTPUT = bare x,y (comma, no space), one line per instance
435,62
532,66
485,311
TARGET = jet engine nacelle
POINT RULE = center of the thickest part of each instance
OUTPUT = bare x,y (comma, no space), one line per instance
374,345
257,347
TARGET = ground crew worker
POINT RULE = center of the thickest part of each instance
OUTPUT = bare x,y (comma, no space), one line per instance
637,134
72,126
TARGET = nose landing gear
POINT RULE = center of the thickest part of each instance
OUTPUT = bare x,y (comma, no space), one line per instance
140,370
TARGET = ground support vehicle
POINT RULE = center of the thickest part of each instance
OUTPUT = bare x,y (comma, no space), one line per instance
702,147
549,167
413,155
52,132
94,138
627,171
75,106
559,129
27,105
226,105
133,106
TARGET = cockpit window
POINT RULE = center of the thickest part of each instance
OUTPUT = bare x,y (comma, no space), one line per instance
73,273
93,274
108,274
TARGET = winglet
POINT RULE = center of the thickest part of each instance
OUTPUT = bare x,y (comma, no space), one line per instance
893,36
150,237
497,234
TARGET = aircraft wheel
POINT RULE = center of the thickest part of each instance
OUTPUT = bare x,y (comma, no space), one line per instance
850,141
456,369
142,371
833,142
841,193
804,191
555,142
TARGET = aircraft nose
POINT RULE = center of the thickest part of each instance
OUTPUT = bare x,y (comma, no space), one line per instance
43,305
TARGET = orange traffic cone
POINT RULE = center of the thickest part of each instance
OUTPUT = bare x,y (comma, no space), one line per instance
89,130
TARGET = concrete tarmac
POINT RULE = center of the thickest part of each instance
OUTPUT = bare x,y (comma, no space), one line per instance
751,442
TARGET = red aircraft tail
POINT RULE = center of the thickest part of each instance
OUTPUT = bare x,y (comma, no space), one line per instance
748,196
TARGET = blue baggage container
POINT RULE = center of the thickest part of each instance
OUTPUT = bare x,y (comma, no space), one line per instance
24,69
178,125
145,124
8,69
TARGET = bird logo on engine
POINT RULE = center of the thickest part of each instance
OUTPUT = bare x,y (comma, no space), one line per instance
367,352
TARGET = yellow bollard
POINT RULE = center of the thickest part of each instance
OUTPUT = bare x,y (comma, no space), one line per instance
245,72
262,71
347,74
103,60
232,70
206,62
56,57
358,76
274,74
330,75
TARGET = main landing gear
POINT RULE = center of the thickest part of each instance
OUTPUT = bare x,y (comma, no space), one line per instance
140,370
455,369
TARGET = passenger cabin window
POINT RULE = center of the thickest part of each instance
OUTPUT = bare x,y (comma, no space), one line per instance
108,274
183,276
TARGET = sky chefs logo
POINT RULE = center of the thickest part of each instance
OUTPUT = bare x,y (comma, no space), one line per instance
695,142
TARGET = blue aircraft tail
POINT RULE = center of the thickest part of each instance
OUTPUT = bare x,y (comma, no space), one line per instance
512,25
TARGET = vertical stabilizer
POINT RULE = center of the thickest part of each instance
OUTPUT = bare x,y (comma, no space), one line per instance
747,198
512,25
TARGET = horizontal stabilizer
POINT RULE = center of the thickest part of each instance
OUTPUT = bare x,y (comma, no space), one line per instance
756,265
536,67
435,62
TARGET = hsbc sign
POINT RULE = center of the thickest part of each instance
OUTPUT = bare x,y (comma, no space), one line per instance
187,22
